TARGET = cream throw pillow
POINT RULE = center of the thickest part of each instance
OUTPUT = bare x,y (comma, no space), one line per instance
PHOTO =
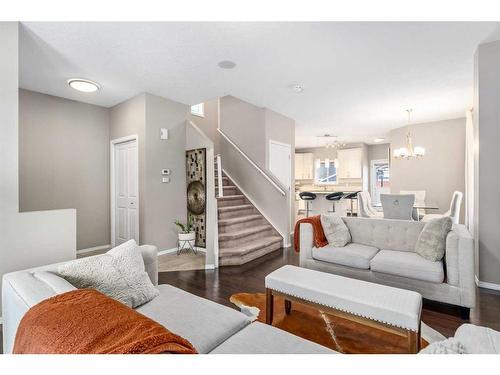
431,243
336,232
120,274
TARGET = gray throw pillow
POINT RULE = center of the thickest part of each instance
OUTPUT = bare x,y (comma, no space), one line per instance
120,274
336,232
431,243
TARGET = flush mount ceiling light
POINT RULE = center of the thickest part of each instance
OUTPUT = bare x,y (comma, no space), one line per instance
409,152
378,140
226,64
83,85
298,88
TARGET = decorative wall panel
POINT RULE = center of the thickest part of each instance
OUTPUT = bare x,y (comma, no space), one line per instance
196,177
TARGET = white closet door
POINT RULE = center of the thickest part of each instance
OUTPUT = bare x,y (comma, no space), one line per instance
126,194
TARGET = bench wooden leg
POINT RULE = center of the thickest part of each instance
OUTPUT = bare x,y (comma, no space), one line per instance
413,342
288,306
269,306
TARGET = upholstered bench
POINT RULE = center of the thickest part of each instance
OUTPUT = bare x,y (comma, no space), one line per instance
390,309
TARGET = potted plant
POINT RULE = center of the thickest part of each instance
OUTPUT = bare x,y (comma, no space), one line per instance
186,233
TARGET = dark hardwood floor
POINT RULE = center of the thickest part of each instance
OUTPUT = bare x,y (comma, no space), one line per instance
218,285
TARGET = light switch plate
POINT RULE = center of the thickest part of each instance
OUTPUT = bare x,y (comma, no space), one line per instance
165,180
163,133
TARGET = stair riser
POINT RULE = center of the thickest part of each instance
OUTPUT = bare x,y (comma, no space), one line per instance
230,190
238,260
231,202
225,182
239,226
238,213
242,240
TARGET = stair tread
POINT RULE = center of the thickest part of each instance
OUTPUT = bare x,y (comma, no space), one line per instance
235,208
243,232
240,219
231,197
249,246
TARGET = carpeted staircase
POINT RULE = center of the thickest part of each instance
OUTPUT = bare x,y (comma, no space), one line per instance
244,234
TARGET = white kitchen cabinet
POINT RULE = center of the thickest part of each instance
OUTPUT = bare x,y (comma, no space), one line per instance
350,163
304,166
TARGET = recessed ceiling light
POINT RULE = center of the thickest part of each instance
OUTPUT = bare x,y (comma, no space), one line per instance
226,64
378,140
297,88
83,85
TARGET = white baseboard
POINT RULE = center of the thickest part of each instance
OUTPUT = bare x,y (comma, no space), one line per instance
209,266
484,284
95,248
174,250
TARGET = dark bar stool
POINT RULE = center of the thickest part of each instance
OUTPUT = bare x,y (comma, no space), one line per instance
352,197
308,197
334,197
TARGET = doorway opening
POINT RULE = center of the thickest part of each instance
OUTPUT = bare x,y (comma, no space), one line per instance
380,180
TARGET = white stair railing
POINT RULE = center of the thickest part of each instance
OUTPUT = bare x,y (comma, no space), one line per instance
252,163
220,190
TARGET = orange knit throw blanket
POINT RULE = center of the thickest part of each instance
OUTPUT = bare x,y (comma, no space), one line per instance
319,238
86,321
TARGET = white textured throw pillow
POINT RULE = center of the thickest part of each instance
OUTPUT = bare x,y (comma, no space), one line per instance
448,346
120,274
336,232
431,243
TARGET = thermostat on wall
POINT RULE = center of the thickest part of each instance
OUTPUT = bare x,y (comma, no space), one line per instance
165,172
163,133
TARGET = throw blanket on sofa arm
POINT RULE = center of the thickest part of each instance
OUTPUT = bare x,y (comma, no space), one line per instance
86,321
319,238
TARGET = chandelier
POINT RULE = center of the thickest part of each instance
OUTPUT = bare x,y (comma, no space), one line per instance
409,152
331,141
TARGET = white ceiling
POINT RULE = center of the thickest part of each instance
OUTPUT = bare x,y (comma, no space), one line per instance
358,78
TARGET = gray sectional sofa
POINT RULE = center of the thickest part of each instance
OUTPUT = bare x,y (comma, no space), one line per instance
382,251
210,327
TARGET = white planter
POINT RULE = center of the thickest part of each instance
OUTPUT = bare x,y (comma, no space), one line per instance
189,237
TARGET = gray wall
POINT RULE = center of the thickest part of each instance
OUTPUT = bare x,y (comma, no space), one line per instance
165,202
377,152
441,171
160,203
251,127
245,125
129,118
27,239
210,122
63,149
487,135
282,129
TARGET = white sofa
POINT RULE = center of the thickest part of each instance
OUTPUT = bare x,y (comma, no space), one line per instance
382,251
478,340
209,326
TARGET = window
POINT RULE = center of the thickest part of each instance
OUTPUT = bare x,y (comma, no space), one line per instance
198,110
324,175
380,179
